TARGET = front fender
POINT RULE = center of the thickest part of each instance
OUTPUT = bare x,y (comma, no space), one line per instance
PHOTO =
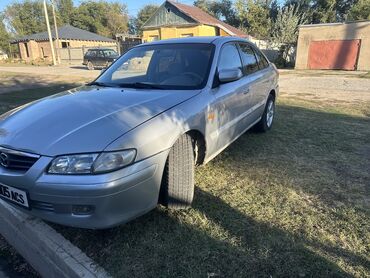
161,132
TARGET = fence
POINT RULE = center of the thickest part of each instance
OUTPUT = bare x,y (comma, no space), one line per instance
76,54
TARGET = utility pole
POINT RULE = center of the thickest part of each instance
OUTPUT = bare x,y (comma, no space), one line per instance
56,30
49,33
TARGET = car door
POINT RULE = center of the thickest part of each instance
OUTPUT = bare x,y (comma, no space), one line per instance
100,58
231,99
255,78
267,76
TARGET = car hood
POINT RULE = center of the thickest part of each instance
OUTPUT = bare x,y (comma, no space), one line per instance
85,119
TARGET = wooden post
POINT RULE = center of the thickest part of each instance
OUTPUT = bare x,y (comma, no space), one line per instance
56,31
69,53
49,33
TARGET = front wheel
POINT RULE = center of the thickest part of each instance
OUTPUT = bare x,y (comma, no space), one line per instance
90,65
177,189
268,115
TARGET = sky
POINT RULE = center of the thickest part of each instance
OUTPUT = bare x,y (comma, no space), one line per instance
133,6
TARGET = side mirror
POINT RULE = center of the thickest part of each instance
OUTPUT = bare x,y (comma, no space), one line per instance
229,75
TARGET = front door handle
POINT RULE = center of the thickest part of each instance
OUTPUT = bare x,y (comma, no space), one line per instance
246,91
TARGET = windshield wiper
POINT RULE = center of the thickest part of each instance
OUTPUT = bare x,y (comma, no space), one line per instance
101,84
141,85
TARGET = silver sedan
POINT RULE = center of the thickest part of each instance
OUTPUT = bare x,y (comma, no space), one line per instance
105,153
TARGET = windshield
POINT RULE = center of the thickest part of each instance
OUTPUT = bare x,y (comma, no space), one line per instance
166,66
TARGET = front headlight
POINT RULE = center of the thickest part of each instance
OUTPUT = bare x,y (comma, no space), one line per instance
93,163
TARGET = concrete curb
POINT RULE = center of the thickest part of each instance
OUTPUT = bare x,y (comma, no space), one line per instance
48,252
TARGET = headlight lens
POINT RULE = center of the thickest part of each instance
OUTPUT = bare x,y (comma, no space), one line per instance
91,163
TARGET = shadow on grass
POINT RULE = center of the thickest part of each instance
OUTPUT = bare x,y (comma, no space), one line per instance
159,245
315,153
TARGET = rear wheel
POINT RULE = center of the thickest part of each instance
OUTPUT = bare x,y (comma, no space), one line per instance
177,189
268,115
90,65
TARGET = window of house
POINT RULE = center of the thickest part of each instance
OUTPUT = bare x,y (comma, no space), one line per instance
249,59
229,58
153,38
65,44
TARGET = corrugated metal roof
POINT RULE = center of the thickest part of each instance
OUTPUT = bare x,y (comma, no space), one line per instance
202,17
66,32
199,16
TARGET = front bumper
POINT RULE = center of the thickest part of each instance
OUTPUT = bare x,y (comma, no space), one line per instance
113,198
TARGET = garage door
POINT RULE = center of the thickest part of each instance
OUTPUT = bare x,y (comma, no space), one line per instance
334,54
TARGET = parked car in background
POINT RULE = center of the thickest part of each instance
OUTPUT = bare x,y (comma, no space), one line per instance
99,58
107,152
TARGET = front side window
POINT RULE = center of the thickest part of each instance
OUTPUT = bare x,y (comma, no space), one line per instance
229,58
249,59
165,66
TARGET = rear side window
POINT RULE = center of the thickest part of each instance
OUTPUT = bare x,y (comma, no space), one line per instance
250,63
91,53
262,62
229,58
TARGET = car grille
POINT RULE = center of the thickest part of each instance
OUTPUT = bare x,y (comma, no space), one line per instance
17,160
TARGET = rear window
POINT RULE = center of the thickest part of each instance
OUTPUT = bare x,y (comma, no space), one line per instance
109,53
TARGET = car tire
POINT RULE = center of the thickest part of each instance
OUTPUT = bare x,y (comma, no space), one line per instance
90,65
177,189
268,116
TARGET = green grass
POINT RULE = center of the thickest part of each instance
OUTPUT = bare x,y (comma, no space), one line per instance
11,100
293,202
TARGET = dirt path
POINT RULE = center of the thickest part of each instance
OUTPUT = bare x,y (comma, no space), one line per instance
321,85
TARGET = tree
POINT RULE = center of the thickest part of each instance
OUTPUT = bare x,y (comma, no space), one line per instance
24,18
220,9
103,17
65,10
254,17
360,10
324,11
142,16
4,35
285,29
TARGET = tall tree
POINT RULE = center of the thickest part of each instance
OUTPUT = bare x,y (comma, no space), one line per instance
254,16
143,15
4,35
324,11
103,17
285,29
360,11
221,9
65,10
24,18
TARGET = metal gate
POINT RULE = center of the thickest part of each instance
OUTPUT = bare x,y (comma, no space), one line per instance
333,54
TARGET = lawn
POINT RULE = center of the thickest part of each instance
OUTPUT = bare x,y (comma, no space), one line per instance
11,100
293,202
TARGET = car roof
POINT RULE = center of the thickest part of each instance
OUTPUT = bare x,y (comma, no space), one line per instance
212,39
100,49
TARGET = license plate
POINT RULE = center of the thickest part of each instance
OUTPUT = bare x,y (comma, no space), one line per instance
14,195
